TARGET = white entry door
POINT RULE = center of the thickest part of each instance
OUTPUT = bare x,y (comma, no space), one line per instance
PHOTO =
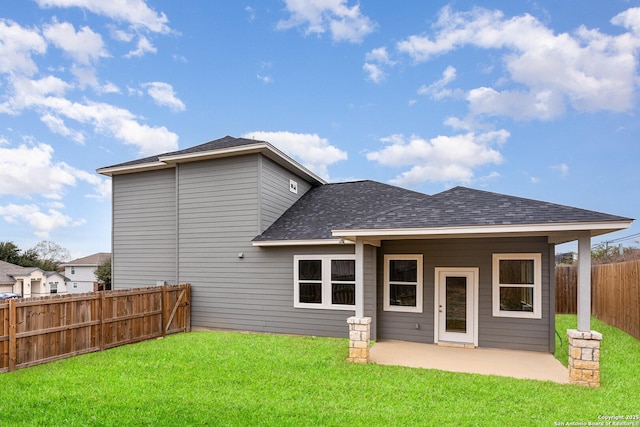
456,310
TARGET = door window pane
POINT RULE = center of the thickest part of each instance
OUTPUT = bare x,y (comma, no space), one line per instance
456,304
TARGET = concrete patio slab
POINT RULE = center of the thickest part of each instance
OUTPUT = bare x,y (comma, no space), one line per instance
485,361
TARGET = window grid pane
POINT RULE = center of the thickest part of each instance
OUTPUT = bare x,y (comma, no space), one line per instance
343,294
403,270
310,269
516,271
343,270
311,293
516,298
402,295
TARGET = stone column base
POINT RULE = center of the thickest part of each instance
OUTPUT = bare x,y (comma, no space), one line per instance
359,339
584,357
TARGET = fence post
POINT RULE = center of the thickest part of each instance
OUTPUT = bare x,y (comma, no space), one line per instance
13,344
187,309
102,322
165,309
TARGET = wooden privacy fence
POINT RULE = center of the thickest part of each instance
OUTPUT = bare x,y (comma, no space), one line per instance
615,294
40,330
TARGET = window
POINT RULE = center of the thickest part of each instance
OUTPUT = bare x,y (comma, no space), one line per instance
517,285
53,286
325,281
73,270
403,283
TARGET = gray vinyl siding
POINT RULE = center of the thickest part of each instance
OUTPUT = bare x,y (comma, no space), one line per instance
258,296
496,332
222,205
144,229
275,197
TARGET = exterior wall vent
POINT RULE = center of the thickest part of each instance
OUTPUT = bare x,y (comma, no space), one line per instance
293,186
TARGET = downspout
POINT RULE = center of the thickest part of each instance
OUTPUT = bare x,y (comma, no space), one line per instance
177,219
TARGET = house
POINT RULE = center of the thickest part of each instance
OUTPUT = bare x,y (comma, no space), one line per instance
30,281
81,272
269,246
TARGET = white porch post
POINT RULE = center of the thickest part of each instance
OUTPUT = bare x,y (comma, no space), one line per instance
584,283
359,279
584,344
359,326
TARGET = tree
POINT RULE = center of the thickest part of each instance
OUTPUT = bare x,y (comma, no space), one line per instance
9,252
51,254
103,275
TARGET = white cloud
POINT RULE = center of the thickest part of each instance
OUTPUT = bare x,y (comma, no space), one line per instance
30,170
133,12
17,44
266,79
56,125
376,61
562,168
436,90
630,19
543,105
374,72
251,12
105,118
440,159
83,46
379,55
143,46
318,16
588,70
42,222
313,151
164,95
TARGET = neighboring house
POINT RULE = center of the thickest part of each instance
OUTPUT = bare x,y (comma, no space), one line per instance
30,281
80,272
269,246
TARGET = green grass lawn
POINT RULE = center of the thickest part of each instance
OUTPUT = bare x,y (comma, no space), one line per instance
234,379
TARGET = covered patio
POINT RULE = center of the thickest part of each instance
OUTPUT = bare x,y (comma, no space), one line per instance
484,361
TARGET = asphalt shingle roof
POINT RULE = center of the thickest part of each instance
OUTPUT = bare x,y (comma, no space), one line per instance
372,205
8,270
217,144
335,206
94,259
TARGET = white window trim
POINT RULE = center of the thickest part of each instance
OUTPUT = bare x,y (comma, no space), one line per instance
326,282
419,284
537,285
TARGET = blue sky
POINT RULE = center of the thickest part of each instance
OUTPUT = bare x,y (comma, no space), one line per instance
532,99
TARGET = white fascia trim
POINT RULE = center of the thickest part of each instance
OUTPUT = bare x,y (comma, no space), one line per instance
481,230
169,161
259,147
140,167
316,242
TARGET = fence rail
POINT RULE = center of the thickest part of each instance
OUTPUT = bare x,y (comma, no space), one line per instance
40,330
615,294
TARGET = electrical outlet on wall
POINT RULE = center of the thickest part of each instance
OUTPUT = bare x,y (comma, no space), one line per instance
293,186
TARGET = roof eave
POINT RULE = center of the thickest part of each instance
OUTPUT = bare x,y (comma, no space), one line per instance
141,167
264,148
308,242
557,232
